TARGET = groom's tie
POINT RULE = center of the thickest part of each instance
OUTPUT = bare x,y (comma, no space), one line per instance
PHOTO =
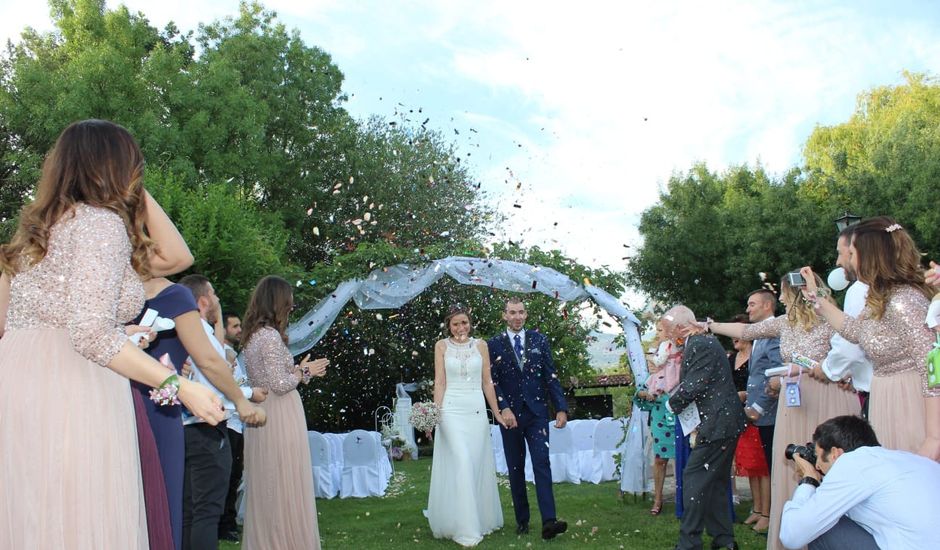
517,346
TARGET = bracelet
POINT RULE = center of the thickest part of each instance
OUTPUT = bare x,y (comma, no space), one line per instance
808,480
168,392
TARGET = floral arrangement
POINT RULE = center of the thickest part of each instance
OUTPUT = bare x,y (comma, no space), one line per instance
425,416
392,439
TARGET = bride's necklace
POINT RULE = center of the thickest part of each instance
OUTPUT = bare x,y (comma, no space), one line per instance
463,351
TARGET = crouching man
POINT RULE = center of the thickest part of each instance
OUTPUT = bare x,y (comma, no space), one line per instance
866,497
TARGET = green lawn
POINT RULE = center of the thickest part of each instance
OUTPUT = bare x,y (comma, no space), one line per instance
596,516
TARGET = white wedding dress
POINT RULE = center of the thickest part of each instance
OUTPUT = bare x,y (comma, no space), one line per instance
463,503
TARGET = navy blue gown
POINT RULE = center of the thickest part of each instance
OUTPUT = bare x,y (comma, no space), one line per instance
165,422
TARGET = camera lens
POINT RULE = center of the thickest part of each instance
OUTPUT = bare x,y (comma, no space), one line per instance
807,452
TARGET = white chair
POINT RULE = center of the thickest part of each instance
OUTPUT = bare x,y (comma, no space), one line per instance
583,434
326,475
562,455
361,474
608,435
384,462
498,452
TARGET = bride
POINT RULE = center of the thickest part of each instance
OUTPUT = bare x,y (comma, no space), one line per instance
463,504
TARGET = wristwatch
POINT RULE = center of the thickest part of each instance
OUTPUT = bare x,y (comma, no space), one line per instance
810,481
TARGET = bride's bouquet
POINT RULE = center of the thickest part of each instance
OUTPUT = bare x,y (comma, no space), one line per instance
424,416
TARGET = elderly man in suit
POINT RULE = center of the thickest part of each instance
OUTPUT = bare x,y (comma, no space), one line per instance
705,382
524,375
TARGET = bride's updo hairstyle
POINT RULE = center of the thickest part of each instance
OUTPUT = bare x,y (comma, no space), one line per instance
454,311
94,162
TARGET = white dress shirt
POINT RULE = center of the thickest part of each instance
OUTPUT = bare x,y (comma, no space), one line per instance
197,376
241,378
894,495
845,358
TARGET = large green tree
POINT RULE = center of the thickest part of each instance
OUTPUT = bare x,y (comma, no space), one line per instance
711,234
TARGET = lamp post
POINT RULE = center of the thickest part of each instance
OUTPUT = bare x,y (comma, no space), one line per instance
846,220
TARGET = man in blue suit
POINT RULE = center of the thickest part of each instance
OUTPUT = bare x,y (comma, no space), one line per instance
524,378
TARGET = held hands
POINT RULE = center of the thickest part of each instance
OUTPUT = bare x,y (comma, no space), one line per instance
250,414
499,418
509,419
201,401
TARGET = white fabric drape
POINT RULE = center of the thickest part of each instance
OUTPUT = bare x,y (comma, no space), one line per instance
393,287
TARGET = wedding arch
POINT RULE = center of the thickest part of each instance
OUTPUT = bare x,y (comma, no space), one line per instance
392,287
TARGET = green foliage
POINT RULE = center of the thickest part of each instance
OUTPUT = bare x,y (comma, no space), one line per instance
711,234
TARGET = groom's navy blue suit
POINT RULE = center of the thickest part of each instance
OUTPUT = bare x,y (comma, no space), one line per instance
524,386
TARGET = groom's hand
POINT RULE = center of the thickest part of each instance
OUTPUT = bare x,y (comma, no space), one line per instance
508,418
561,418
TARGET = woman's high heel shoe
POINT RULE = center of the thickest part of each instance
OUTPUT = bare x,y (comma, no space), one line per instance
656,509
762,525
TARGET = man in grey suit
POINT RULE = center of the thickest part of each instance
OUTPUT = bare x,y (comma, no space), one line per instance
761,406
705,381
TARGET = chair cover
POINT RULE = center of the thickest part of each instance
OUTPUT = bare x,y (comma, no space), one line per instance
608,435
582,431
362,476
498,453
562,455
326,473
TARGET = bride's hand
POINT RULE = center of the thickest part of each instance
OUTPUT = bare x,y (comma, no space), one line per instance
499,419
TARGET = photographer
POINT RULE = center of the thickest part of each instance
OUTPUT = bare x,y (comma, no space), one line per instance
871,497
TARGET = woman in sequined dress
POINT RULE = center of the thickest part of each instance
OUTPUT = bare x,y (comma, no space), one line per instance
463,501
802,333
69,465
280,511
903,411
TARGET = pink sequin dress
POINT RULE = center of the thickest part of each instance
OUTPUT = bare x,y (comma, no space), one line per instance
280,510
818,402
69,465
897,345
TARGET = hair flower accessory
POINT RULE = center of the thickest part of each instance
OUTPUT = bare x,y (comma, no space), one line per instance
893,227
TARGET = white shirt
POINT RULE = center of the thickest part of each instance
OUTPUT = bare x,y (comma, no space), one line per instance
241,378
845,358
197,376
894,495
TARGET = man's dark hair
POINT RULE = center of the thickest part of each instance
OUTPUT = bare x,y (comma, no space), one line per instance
847,233
767,295
228,315
513,300
845,432
197,284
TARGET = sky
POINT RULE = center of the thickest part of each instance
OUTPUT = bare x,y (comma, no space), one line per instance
580,112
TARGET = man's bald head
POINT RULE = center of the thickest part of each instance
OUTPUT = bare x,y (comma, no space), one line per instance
676,318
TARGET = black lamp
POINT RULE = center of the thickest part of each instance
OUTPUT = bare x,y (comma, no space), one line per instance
847,220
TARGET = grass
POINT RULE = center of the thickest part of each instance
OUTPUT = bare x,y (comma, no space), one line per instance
596,516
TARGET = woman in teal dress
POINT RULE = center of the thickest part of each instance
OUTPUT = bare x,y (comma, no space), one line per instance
662,429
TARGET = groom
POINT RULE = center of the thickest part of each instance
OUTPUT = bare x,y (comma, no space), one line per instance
523,373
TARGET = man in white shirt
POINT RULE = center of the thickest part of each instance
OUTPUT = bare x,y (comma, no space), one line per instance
870,497
847,362
208,461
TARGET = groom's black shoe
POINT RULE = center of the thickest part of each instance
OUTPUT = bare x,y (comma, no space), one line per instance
732,546
553,528
522,529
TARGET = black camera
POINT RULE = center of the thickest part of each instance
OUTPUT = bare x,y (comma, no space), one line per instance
808,452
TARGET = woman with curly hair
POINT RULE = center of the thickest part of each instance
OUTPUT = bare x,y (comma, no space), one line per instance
69,464
904,412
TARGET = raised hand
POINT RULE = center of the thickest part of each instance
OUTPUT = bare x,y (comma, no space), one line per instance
932,275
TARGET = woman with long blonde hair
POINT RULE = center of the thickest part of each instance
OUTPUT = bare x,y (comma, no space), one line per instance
69,464
803,335
904,412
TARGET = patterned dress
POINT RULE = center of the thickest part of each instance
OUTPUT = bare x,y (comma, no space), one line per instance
819,402
69,466
280,511
896,344
662,422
